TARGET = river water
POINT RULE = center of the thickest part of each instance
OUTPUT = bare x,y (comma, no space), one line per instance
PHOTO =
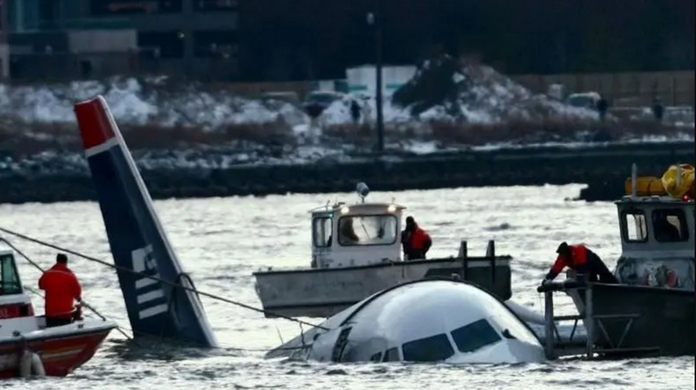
222,241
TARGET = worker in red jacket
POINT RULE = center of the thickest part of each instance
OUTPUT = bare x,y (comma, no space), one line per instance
62,288
583,261
415,241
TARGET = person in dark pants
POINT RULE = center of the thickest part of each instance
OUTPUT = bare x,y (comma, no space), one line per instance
355,111
602,107
583,261
658,109
415,241
62,288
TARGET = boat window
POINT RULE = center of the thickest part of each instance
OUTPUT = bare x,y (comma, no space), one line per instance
376,358
392,355
634,226
367,230
430,349
321,232
10,280
669,225
474,336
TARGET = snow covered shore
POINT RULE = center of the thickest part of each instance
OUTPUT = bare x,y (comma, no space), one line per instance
163,120
171,125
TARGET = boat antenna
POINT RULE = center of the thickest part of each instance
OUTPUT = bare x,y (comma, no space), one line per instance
634,180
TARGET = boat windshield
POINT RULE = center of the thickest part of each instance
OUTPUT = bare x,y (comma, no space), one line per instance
9,282
367,230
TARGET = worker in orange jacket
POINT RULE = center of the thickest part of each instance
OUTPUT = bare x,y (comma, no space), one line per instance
415,241
583,261
62,288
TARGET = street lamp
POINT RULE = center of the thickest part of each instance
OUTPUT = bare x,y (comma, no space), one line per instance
375,19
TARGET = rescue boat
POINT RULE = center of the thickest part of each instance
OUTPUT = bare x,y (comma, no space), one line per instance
652,307
27,346
343,273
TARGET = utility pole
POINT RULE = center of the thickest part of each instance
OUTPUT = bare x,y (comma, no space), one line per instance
376,20
4,41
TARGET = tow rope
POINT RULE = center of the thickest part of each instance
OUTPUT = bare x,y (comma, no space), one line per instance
141,274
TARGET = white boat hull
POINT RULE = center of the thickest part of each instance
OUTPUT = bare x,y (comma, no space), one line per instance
325,292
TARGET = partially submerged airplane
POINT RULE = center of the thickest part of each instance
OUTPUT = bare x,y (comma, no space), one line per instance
137,239
423,320
427,320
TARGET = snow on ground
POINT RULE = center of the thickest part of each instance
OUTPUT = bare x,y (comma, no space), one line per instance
482,96
134,102
445,88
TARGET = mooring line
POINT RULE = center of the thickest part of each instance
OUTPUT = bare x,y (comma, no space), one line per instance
120,268
82,302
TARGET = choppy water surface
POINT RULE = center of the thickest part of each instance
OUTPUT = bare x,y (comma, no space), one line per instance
222,241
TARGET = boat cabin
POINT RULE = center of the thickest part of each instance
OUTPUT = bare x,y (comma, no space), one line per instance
354,235
657,239
16,309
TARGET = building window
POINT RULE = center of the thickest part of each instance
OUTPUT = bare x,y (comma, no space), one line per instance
215,44
165,44
215,5
130,7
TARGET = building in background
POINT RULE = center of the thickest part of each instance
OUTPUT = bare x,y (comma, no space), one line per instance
57,40
194,38
69,39
287,40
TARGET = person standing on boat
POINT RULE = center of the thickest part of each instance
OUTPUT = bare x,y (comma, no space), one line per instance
583,261
62,288
415,241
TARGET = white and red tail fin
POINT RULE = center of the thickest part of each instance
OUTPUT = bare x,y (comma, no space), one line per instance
136,236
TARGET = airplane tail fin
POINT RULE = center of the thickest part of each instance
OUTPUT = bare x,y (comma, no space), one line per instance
136,237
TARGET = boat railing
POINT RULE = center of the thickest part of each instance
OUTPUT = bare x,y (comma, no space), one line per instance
556,347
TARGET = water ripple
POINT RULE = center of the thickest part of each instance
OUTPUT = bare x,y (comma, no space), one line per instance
222,241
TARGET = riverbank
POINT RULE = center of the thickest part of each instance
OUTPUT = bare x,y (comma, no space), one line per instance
596,165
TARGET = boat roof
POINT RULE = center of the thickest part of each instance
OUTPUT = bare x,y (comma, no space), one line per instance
654,199
6,252
354,206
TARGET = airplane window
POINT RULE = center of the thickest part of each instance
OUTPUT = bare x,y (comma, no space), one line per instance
670,225
367,230
429,349
474,336
392,355
376,358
